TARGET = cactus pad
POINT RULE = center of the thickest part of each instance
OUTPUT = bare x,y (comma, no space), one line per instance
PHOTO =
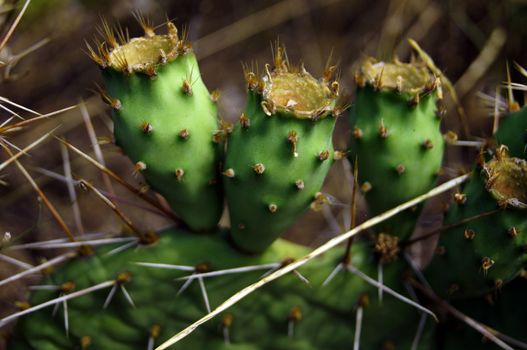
396,138
164,120
513,133
279,154
487,244
286,314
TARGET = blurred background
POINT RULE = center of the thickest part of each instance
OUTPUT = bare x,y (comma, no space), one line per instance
47,69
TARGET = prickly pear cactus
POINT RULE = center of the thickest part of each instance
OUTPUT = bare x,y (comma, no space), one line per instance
287,314
164,119
486,245
279,153
513,133
395,136
503,311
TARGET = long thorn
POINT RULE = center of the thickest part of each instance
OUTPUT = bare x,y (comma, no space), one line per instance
73,295
230,271
127,296
39,268
15,262
66,319
358,328
204,293
110,296
419,333
184,286
388,290
333,273
77,244
167,266
123,247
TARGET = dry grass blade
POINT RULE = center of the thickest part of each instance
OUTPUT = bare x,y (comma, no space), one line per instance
315,253
481,64
120,180
41,194
25,150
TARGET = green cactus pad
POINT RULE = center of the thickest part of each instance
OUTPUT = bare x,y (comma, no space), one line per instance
487,246
164,120
513,133
286,314
279,154
396,137
503,311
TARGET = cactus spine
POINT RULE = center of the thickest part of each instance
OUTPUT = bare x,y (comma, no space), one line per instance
396,138
279,153
164,120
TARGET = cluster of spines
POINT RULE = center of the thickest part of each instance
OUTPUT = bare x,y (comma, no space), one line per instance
111,38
